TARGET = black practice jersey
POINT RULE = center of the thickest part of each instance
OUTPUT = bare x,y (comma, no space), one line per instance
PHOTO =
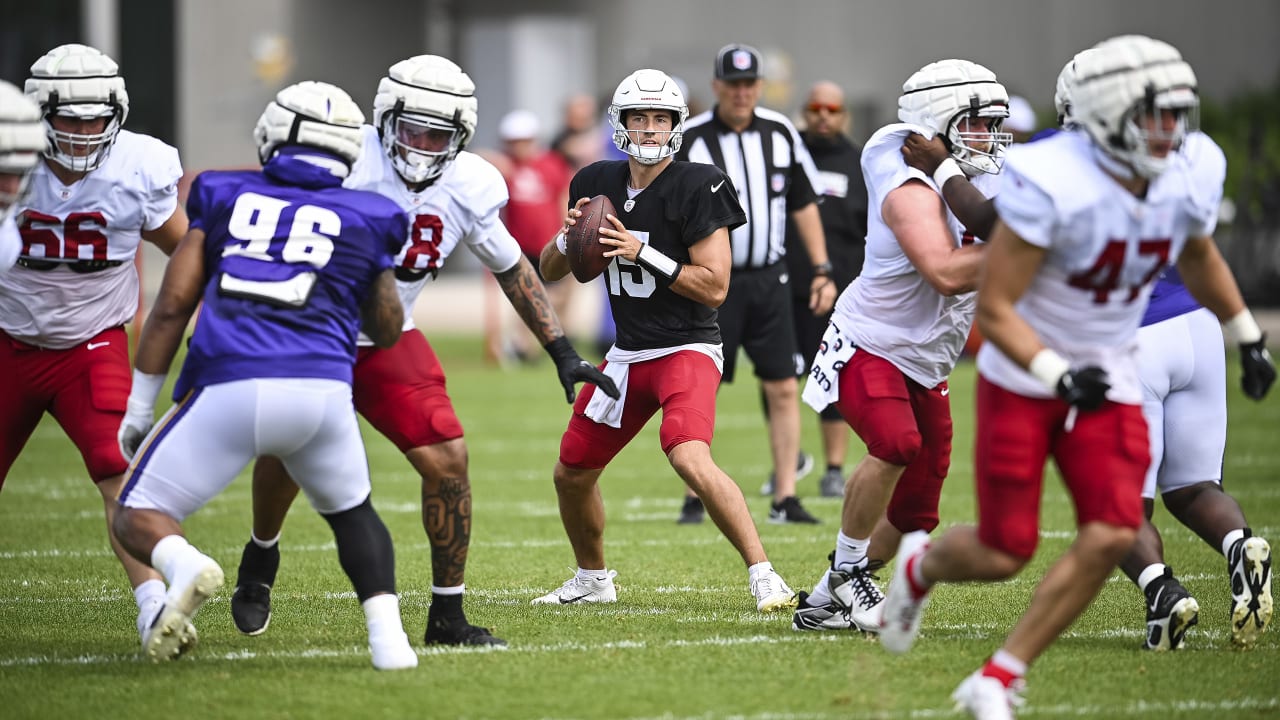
684,204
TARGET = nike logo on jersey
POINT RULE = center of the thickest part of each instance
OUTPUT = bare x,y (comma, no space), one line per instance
717,186
95,346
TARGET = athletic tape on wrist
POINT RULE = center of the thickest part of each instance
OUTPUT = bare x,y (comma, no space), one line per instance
1048,367
947,170
655,261
562,243
1242,328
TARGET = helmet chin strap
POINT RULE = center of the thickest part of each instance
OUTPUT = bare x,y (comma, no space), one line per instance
1113,165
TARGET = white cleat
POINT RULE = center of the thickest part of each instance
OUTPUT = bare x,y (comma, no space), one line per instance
1249,563
392,651
577,589
171,634
900,623
772,593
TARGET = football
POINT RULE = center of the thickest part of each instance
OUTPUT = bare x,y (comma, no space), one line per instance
582,241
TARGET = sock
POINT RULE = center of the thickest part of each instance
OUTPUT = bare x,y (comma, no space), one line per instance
1230,540
1004,667
149,591
382,615
445,604
265,544
835,468
167,555
915,575
756,570
821,594
455,590
597,575
1148,574
851,553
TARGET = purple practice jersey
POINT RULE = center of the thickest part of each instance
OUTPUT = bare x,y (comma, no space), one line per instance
289,257
1169,299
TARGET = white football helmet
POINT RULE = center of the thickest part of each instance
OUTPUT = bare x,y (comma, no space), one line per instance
425,112
1125,79
22,140
1062,92
941,94
80,82
313,114
648,90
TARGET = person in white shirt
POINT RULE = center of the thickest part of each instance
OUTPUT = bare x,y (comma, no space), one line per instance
1088,220
97,194
898,330
22,140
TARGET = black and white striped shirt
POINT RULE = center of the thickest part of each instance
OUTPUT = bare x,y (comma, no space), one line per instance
771,170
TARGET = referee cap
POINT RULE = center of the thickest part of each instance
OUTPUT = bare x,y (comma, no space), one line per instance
737,62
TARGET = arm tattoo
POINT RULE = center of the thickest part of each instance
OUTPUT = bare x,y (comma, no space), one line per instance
528,296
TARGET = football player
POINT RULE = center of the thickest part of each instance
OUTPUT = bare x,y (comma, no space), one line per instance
289,266
98,192
1088,220
670,272
907,315
1183,375
424,114
22,141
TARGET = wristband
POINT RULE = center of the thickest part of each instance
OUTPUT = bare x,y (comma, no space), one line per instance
823,269
658,263
1242,328
146,388
947,170
1048,367
562,243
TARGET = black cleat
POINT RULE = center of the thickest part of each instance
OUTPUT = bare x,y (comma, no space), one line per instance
692,512
790,511
457,631
1171,611
251,601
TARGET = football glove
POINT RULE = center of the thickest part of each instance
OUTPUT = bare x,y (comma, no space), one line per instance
1085,388
1259,369
572,369
137,422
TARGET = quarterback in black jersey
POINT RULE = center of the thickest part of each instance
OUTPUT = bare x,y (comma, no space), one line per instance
670,271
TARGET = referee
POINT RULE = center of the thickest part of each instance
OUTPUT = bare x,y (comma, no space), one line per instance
774,177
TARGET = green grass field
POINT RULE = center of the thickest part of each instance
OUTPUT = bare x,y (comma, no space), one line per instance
684,640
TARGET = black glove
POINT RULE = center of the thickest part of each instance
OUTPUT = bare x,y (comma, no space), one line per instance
1259,370
1085,388
573,369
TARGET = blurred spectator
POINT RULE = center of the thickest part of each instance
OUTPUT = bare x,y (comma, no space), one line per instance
538,186
844,221
1022,119
581,140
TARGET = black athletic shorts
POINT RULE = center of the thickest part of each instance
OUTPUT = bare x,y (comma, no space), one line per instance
756,316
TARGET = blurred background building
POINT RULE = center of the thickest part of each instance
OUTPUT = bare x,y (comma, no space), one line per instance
199,73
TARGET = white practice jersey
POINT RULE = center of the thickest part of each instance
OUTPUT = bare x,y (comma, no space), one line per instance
462,205
890,309
98,218
1105,248
10,244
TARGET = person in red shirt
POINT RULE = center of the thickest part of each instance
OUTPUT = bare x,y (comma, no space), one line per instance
538,185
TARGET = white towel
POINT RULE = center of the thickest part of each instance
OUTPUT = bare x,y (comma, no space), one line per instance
823,384
605,410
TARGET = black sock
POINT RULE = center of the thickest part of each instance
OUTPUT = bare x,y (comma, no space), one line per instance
445,606
835,468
